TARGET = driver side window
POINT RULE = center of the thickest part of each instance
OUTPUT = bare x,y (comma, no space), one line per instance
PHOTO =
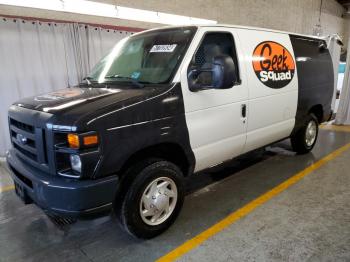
213,45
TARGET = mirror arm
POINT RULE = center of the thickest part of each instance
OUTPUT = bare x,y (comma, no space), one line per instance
196,72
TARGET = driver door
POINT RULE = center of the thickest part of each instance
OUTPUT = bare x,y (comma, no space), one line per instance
216,118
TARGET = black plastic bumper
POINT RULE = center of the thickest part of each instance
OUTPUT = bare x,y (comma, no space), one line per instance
62,196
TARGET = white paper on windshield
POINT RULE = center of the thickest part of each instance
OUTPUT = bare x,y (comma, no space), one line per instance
163,48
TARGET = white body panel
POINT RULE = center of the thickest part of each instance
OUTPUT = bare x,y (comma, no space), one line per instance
271,112
217,130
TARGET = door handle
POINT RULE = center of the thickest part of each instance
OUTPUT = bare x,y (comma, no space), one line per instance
244,110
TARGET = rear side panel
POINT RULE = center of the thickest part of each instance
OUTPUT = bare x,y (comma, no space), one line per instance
315,77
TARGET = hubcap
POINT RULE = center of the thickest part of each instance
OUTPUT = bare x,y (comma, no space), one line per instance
311,132
158,201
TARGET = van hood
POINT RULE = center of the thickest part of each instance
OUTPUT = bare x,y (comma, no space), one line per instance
71,104
66,99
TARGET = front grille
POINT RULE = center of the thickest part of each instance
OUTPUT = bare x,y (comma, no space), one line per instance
22,126
25,152
28,140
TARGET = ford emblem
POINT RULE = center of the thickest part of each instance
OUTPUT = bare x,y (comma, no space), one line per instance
21,139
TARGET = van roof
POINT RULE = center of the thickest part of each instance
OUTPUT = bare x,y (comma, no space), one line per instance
243,27
259,29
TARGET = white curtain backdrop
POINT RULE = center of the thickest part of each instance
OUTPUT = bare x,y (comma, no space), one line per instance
334,49
37,57
343,113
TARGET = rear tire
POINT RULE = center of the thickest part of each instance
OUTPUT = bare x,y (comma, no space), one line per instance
153,199
304,140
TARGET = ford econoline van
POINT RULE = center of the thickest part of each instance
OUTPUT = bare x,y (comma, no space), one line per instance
164,104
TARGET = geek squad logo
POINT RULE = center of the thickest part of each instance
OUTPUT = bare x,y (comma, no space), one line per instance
273,64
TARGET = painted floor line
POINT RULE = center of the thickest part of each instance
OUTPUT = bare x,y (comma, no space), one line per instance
335,128
245,210
6,188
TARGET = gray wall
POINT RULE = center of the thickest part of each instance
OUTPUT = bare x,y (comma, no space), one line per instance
289,15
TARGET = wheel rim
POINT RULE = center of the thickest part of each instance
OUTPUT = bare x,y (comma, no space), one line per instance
311,132
158,201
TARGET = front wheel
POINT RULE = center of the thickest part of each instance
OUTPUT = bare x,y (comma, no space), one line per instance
305,139
153,199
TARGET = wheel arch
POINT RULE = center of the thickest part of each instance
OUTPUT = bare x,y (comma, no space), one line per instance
317,110
168,151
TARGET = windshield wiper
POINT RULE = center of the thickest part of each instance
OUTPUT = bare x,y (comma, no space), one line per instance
89,80
132,80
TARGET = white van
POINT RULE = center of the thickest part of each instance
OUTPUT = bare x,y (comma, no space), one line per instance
164,104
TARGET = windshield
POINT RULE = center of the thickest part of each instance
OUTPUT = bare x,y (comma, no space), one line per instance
150,57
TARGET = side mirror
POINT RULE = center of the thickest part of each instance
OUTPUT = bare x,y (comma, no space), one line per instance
322,46
222,73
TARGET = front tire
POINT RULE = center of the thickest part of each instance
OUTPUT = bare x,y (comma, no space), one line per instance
304,140
153,199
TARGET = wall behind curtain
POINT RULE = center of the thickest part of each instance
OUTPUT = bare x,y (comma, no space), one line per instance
39,57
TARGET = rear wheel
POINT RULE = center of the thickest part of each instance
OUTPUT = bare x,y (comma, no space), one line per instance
153,199
305,139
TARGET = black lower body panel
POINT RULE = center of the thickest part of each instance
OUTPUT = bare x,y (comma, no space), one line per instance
61,196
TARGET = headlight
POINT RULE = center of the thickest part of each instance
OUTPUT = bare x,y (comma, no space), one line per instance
75,162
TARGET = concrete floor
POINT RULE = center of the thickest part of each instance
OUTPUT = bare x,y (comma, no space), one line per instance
308,221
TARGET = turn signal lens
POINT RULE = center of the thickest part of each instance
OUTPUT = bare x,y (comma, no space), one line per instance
73,141
90,140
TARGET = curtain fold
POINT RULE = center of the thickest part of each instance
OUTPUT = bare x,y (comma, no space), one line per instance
39,57
334,49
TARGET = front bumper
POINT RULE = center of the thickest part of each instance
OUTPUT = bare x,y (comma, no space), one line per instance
63,196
